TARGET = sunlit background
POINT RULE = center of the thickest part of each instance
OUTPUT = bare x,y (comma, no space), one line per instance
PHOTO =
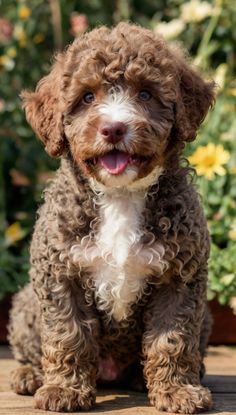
30,31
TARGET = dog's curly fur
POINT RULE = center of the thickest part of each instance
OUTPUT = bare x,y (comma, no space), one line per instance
119,261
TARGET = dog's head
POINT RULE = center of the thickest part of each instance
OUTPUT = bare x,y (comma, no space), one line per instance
120,100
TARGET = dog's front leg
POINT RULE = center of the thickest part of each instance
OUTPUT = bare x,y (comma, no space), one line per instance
70,352
171,339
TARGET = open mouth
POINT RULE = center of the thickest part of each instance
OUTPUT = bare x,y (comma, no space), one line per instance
115,162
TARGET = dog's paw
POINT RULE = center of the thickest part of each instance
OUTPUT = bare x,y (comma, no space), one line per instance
187,399
59,399
26,380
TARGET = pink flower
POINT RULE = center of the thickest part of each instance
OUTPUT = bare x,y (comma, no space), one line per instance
6,31
2,105
79,24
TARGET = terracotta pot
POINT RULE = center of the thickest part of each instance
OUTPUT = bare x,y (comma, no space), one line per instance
224,326
5,306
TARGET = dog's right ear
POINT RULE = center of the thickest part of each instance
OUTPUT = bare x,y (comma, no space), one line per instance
195,97
43,110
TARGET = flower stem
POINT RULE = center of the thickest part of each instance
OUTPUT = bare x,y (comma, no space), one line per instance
56,21
210,29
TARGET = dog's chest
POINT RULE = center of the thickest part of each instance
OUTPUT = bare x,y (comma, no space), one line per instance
120,230
117,257
118,282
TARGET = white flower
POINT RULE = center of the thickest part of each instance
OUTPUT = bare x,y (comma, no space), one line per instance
7,62
220,75
196,11
171,29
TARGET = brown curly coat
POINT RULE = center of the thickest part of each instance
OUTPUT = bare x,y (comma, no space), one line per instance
166,325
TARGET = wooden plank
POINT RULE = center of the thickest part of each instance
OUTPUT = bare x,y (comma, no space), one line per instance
117,403
120,403
221,360
224,404
221,370
221,379
220,383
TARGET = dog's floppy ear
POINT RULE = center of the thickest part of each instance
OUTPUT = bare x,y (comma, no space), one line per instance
43,110
195,98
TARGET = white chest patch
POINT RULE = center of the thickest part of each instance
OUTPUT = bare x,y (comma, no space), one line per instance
118,259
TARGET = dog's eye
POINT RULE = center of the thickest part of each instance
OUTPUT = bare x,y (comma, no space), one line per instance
88,98
144,95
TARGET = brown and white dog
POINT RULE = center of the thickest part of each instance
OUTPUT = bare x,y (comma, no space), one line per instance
120,248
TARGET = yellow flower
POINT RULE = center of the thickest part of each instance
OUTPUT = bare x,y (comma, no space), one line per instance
7,62
232,232
20,35
11,52
14,233
24,13
232,92
38,38
209,160
23,43
4,60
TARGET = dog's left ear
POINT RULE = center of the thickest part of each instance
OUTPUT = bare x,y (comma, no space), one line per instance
43,110
195,98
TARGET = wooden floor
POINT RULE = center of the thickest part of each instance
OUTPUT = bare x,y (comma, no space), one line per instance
221,379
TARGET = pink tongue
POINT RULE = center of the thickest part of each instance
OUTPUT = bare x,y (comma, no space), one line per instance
115,162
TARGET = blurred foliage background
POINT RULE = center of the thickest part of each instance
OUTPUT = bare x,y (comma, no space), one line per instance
30,31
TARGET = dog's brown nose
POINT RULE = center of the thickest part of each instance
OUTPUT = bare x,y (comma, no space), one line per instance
113,132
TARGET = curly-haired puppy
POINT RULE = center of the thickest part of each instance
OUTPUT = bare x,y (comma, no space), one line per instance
120,248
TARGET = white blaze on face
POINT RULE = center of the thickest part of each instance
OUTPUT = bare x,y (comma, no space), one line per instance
118,106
